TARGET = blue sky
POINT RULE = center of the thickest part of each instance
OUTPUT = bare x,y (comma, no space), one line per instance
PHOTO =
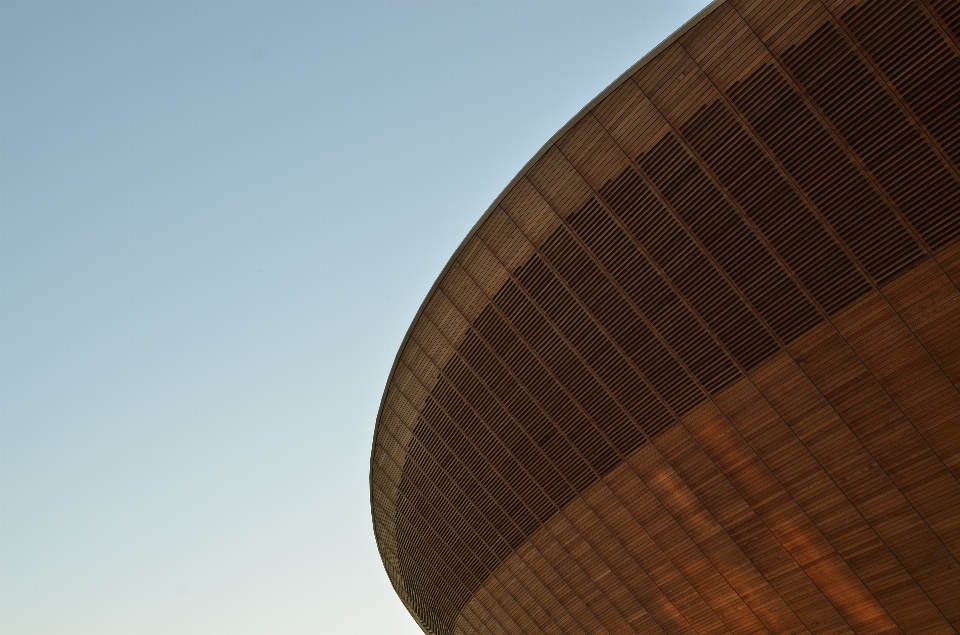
217,220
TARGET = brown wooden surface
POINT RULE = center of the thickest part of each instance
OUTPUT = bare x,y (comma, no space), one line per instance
698,371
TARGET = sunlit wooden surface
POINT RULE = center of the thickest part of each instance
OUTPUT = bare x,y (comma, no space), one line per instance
697,370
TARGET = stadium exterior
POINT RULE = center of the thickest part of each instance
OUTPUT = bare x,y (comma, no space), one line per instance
696,370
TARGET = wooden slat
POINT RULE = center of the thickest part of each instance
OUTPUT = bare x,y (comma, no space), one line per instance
698,370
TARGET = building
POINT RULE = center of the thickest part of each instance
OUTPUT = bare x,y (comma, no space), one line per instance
697,369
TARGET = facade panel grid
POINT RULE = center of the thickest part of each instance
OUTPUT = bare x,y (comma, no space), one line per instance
697,368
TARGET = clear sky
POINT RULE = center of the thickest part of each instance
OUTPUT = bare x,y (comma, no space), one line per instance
217,220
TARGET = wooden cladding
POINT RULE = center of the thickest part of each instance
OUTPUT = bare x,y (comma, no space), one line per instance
697,371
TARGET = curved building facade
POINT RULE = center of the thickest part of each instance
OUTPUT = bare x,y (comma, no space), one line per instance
697,369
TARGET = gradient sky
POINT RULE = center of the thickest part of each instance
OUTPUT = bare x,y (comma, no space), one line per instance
217,220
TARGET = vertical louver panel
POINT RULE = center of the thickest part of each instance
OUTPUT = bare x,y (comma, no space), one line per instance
774,206
655,300
854,208
892,149
949,12
909,50
662,237
728,239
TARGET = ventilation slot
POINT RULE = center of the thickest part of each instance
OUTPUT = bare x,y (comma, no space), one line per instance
601,355
640,282
775,207
949,11
913,56
444,565
579,426
649,222
891,148
724,234
848,202
536,381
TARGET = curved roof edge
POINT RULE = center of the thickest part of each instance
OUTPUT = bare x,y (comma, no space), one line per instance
671,39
